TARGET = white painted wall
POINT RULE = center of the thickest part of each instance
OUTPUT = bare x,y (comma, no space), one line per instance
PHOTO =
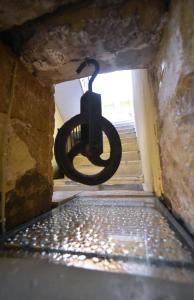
58,123
67,98
145,119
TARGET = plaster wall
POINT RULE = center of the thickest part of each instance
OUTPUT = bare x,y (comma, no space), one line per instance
28,152
67,98
58,123
175,93
146,123
67,105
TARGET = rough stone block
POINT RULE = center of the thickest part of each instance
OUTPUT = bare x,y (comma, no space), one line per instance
175,92
28,170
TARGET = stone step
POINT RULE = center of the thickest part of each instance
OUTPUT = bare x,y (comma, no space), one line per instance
128,168
69,186
125,180
124,126
125,130
115,180
123,135
125,123
127,134
127,137
131,155
129,145
126,156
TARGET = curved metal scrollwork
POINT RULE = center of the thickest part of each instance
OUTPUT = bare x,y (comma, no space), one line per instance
89,140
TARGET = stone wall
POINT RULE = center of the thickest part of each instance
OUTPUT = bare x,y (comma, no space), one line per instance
28,170
120,34
175,94
14,12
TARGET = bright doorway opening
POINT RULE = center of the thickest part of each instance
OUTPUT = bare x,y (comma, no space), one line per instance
117,95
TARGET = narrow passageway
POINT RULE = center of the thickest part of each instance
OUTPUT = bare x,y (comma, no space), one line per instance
116,227
128,231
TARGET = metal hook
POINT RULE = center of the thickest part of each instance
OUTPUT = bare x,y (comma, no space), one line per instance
87,62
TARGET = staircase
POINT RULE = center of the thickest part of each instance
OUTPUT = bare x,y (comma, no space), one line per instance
130,170
129,174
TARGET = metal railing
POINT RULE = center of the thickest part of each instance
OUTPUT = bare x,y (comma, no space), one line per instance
74,138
